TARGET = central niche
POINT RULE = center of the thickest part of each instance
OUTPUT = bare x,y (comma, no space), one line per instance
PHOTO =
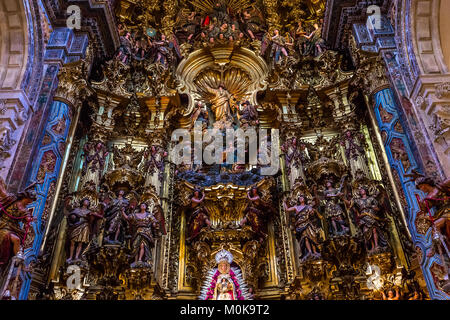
239,71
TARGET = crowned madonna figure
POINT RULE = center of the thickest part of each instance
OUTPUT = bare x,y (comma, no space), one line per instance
224,282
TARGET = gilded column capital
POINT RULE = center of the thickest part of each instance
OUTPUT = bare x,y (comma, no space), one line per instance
73,87
370,75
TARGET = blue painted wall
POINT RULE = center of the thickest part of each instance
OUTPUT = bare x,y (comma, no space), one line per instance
63,46
384,99
51,145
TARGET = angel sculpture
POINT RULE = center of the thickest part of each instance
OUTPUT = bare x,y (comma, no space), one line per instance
13,212
333,210
368,220
126,43
189,25
79,228
235,33
211,32
391,295
198,215
163,54
95,154
300,39
315,44
307,231
114,226
256,214
279,48
251,23
224,32
417,295
353,143
296,156
248,116
200,114
437,198
154,159
145,228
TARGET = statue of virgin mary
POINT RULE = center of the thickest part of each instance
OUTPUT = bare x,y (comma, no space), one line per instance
224,282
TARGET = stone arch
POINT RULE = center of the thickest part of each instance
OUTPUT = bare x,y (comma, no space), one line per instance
21,67
426,22
444,27
423,40
13,44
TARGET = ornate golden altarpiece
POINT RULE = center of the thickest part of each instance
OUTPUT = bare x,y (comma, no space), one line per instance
329,150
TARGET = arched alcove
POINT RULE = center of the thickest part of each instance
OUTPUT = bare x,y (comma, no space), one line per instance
13,44
21,68
427,22
444,27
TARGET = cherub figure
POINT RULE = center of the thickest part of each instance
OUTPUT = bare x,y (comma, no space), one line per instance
211,32
224,32
390,294
235,33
